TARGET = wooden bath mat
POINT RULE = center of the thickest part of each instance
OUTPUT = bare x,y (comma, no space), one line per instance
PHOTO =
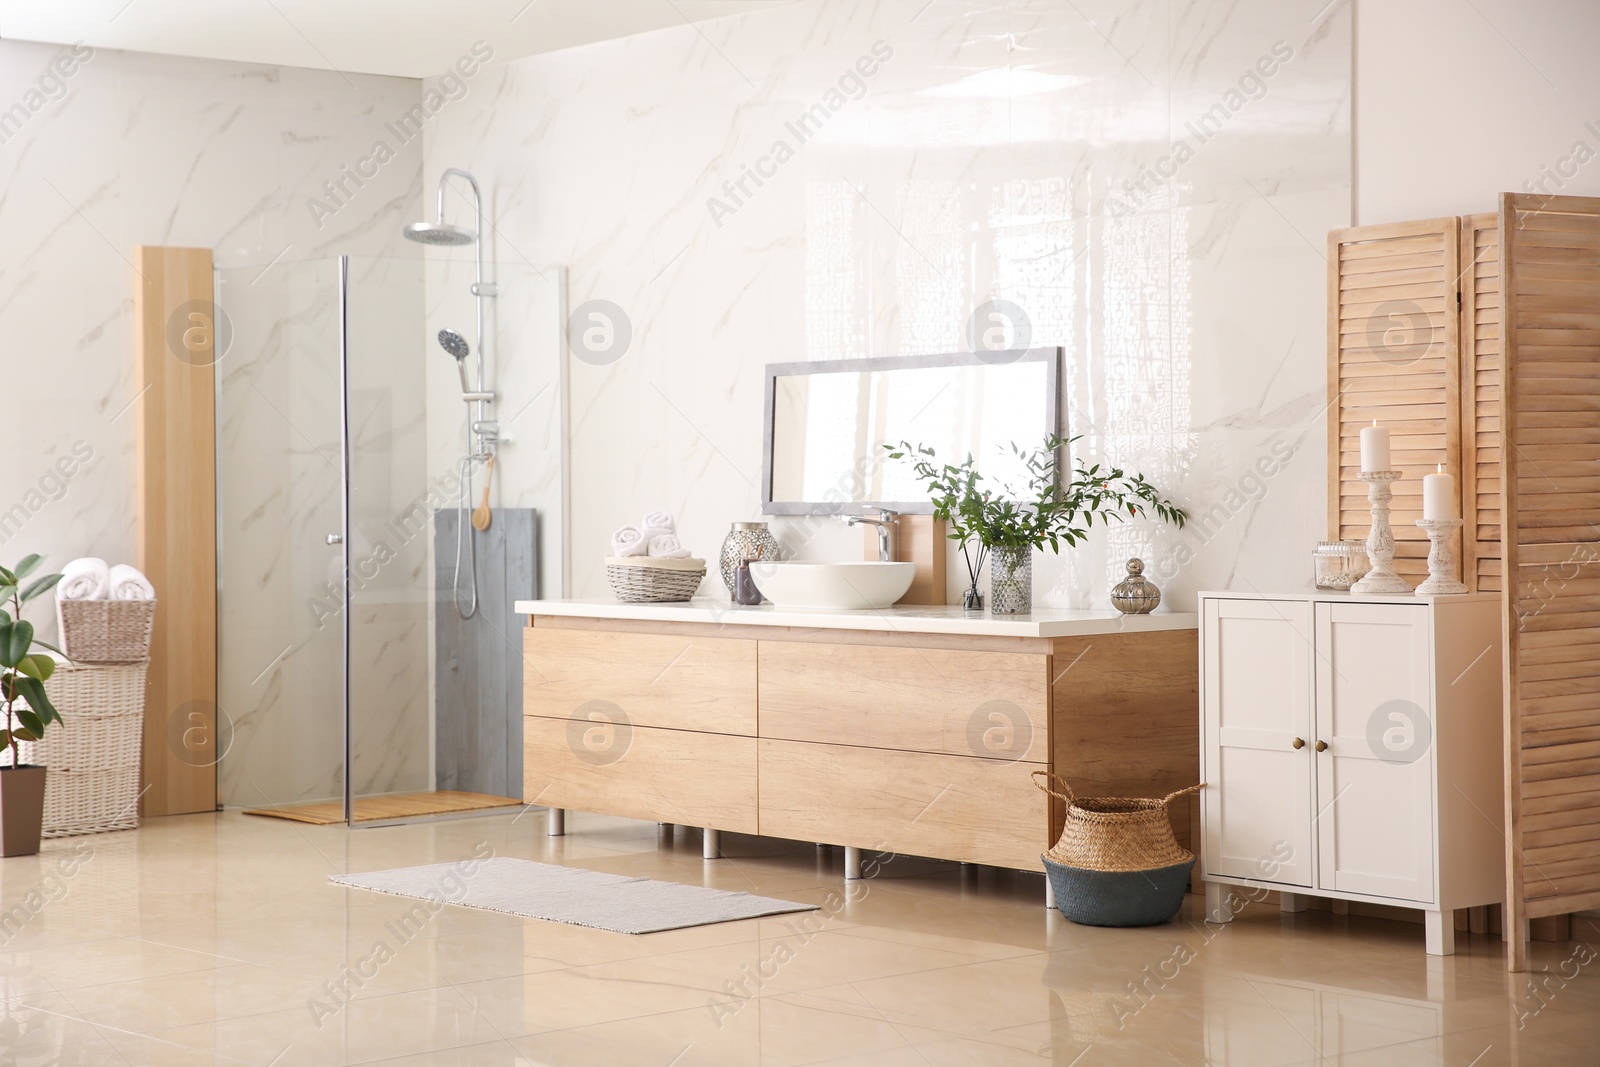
398,806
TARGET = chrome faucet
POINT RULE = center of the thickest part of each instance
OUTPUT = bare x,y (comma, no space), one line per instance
885,522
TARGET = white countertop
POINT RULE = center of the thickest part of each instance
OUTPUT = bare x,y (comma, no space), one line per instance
942,619
1342,596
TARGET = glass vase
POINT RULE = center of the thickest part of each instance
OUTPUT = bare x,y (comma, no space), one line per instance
1010,580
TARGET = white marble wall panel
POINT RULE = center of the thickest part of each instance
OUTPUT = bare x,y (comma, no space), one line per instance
148,149
977,164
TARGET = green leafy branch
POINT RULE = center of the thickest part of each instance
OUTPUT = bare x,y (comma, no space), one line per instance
23,672
1043,510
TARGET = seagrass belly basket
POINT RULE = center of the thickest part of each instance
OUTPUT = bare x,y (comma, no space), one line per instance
1117,862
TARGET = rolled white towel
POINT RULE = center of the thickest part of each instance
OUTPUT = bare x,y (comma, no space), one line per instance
658,522
629,541
665,546
85,578
129,583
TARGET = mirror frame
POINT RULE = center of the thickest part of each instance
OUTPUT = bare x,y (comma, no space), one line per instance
1051,357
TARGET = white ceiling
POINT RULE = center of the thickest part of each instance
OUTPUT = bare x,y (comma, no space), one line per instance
409,38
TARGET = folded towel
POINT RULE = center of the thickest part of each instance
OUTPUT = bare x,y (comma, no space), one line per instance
660,522
85,578
129,583
665,546
629,541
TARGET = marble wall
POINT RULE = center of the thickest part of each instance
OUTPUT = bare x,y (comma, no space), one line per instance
1150,181
109,150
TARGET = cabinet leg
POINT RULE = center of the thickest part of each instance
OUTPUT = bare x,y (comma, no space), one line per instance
711,847
1217,908
1291,903
852,864
556,822
1440,929
1049,895
1478,919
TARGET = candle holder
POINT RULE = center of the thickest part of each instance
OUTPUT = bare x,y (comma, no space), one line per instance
1444,566
1381,579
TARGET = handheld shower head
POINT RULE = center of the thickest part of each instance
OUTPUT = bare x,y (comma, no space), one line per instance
454,344
457,346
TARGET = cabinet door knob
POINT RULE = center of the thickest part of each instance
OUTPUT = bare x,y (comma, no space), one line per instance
1299,742
1322,746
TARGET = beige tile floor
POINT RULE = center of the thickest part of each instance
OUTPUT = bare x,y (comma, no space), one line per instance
201,939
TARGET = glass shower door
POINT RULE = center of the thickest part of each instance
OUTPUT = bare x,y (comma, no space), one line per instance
434,646
280,638
389,497
348,678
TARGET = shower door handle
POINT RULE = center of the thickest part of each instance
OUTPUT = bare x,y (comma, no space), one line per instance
335,539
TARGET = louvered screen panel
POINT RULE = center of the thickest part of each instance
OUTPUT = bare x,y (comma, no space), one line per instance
1550,470
1479,331
1392,356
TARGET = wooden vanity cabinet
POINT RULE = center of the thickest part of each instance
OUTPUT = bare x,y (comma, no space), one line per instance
922,744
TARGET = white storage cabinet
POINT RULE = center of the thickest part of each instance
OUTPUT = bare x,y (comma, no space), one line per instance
1352,748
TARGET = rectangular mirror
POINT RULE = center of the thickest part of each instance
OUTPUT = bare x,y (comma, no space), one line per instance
827,421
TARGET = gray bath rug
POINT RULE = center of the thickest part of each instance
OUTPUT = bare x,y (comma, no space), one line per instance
569,895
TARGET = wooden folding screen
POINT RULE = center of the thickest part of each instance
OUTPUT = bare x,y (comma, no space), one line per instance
1480,401
1393,297
1550,500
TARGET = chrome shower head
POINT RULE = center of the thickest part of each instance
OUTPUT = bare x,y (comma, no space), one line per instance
454,344
438,233
457,346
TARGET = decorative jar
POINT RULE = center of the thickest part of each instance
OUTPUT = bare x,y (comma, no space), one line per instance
1339,564
746,540
1135,594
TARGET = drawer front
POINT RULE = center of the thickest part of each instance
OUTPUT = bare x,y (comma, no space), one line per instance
641,773
660,680
989,704
947,807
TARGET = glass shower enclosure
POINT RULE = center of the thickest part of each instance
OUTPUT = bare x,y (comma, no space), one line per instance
351,687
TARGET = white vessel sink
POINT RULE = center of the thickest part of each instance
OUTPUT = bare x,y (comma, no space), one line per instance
855,586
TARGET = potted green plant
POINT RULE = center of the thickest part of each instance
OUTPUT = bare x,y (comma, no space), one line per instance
1007,523
23,674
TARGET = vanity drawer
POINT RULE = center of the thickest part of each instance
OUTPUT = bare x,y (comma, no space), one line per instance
947,807
639,772
664,680
964,703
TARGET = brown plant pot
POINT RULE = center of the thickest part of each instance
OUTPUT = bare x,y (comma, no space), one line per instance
21,810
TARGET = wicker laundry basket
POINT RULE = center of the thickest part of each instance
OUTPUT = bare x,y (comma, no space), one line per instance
106,631
93,755
652,579
1117,862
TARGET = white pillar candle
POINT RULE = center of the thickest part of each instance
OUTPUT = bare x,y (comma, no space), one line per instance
1438,495
1374,447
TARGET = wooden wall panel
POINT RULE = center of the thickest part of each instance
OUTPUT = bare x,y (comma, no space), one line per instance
1480,402
177,523
919,539
1392,346
1550,497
